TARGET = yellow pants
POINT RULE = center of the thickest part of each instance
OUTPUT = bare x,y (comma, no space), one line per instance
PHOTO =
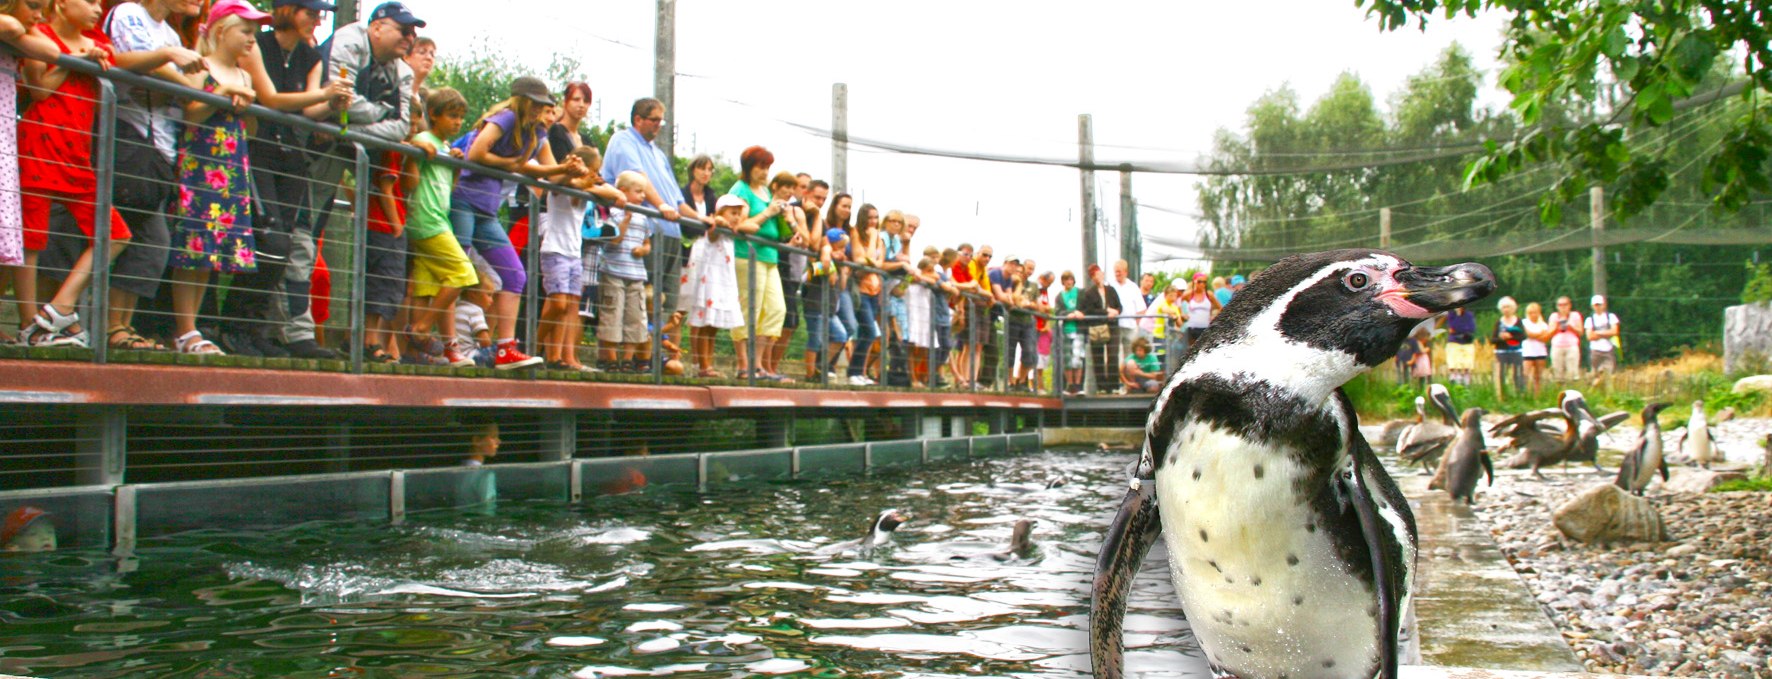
771,310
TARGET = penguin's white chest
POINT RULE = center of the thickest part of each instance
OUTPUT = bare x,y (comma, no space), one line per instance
1651,462
1263,588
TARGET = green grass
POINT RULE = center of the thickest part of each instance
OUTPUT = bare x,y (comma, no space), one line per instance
1760,484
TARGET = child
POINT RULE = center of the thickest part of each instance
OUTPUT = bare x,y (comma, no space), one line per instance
17,19
1421,356
622,279
511,137
562,265
384,288
709,284
214,213
472,334
1142,373
440,268
673,353
55,164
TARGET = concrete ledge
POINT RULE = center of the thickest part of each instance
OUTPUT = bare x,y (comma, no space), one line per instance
1117,437
1426,672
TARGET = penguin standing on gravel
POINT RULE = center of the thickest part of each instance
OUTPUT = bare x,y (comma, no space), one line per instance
1291,548
1467,459
1645,459
1698,433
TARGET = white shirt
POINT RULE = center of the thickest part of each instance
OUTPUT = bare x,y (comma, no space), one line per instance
1131,303
132,29
1606,320
1531,348
562,226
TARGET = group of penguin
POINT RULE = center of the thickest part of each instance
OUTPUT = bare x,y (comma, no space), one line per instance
884,527
1566,433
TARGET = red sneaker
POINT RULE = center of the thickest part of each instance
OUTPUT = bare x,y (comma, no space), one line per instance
510,358
455,358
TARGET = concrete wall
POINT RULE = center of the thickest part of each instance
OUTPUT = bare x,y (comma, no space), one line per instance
1747,332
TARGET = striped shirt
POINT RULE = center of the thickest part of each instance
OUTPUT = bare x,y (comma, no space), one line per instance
618,257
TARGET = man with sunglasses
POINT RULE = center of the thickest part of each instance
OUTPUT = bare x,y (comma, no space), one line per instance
369,55
634,150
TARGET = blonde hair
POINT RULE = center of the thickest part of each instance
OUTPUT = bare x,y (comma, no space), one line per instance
630,180
784,180
527,137
1534,307
206,41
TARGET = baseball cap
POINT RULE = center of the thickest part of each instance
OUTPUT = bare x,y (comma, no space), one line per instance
316,5
1011,258
532,88
17,521
1237,279
1597,300
1199,275
1178,284
730,200
239,8
835,235
396,11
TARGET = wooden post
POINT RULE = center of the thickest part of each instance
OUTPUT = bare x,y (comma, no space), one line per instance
1384,228
1086,158
664,72
839,137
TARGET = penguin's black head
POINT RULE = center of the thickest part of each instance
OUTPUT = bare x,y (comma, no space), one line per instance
1023,537
1473,418
888,521
1651,411
1360,304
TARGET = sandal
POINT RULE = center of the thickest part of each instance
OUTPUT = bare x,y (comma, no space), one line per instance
130,340
373,353
48,328
193,343
711,374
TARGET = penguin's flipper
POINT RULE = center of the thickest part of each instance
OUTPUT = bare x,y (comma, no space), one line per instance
1389,541
1129,538
1680,441
1664,478
1488,467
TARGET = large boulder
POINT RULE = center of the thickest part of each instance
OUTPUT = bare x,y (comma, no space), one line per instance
1747,335
1759,383
1699,480
1605,513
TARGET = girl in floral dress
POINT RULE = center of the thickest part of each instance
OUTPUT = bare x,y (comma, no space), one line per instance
214,232
708,289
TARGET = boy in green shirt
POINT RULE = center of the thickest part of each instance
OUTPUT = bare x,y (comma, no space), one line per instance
440,267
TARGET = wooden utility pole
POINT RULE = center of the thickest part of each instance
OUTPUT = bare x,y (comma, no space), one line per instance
1384,228
1086,157
1131,248
345,14
839,137
664,72
1597,215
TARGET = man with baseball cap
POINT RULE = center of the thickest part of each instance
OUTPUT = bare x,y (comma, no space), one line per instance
1602,338
367,54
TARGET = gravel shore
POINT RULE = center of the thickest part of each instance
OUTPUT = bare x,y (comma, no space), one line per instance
1699,605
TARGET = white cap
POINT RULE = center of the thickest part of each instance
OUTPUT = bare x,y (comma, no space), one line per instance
730,200
1597,300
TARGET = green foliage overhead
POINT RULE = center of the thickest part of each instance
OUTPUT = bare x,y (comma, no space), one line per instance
1623,69
485,81
724,174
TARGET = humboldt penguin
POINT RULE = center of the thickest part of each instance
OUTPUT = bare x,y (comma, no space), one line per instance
1021,546
1566,433
879,535
1291,548
1427,442
1467,459
1698,432
1644,459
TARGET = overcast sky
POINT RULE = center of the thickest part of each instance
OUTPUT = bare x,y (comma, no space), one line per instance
1158,78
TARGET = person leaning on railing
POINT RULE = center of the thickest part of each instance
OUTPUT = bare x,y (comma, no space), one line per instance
18,20
759,285
1100,305
1065,305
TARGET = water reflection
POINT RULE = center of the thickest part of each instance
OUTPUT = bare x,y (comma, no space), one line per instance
663,582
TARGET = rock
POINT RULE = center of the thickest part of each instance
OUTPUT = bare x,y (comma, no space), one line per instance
1605,513
1760,383
1700,480
1747,334
1683,550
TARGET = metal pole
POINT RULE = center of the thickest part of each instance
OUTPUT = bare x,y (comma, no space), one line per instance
345,14
1086,157
532,286
1597,215
104,159
664,70
886,327
750,367
827,298
659,315
1384,228
1131,249
839,137
359,254
1056,368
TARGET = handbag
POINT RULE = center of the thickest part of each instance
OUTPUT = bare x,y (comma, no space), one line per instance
1100,334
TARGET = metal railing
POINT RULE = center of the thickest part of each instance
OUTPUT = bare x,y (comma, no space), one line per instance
912,348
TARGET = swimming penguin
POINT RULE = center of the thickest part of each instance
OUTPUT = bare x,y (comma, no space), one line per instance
1645,458
1021,546
879,535
1698,432
1291,548
1427,443
1566,433
1054,481
1467,459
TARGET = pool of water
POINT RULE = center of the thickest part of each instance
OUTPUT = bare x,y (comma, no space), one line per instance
739,581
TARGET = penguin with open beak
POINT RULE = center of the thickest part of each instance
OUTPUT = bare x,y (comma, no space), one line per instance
1639,466
1291,548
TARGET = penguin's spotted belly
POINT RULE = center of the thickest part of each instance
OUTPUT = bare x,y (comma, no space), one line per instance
1257,573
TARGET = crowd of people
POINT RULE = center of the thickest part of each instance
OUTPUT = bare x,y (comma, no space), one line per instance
1529,350
203,189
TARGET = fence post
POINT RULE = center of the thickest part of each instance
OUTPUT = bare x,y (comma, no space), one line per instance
657,318
532,286
359,254
104,160
883,318
750,367
1056,368
1004,370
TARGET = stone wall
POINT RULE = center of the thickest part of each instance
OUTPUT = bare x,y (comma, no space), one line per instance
1747,331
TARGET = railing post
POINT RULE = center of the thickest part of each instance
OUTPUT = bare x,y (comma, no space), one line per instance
359,254
975,351
1055,368
883,318
104,160
751,362
657,319
827,297
1004,370
532,285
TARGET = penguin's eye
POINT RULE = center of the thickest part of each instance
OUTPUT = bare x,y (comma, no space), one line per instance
1356,281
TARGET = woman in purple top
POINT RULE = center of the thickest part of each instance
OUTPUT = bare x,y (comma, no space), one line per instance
511,137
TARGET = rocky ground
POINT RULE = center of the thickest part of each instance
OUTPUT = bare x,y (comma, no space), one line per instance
1698,605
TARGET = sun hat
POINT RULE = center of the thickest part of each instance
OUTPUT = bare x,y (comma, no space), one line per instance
1597,300
239,8
729,200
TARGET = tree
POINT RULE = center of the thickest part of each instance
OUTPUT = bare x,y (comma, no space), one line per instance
1632,64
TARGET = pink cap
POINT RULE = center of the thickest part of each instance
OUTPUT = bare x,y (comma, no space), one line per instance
240,8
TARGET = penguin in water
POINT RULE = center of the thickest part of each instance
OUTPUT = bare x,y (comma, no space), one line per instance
1021,546
1291,548
1467,459
879,535
1698,432
1645,458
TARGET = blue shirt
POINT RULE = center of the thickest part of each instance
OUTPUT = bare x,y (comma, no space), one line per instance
630,151
618,256
1223,295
